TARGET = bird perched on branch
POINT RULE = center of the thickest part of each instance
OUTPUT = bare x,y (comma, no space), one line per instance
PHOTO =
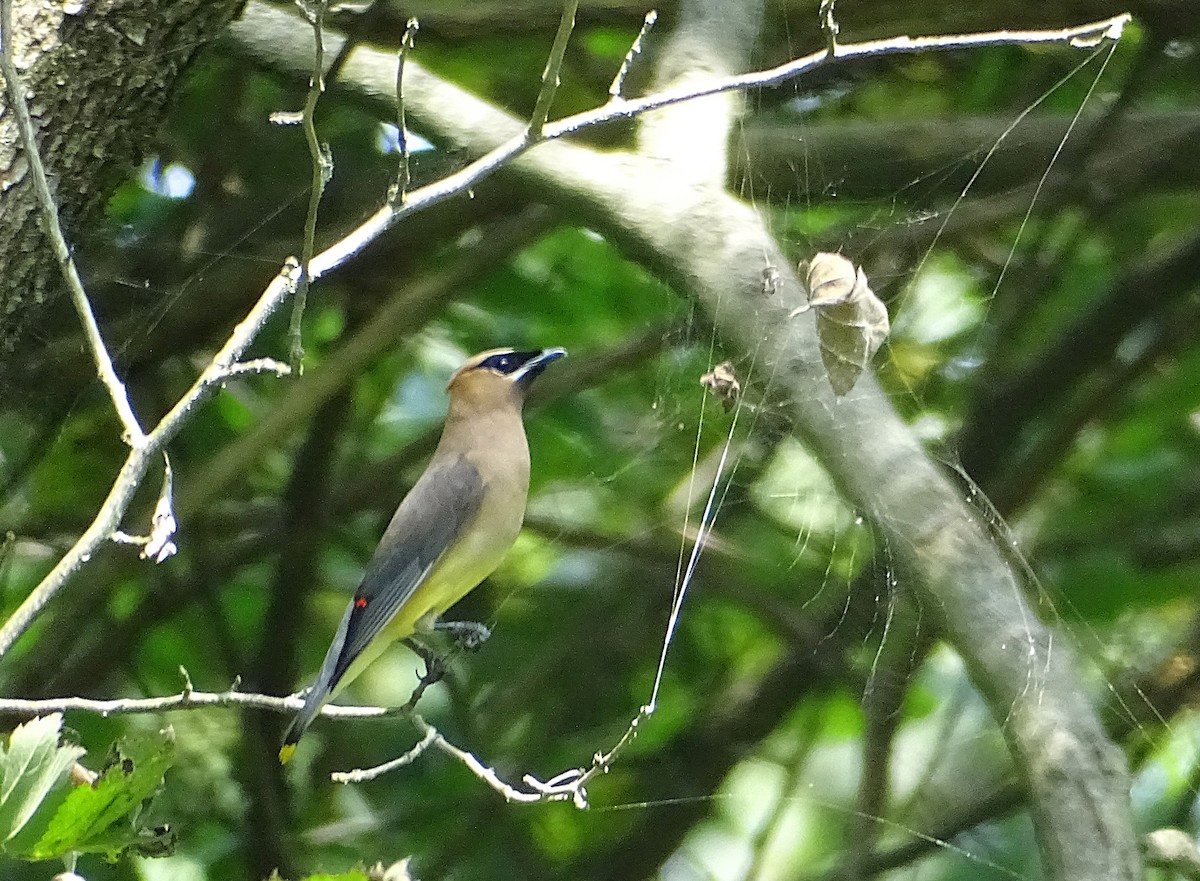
452,529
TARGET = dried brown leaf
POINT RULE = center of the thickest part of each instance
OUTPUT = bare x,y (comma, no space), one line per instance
852,322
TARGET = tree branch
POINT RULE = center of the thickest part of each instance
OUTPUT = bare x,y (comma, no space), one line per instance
267,34
108,519
185,700
713,248
545,98
322,171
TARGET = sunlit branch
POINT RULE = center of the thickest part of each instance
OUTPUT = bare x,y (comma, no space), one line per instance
617,90
185,700
621,109
134,435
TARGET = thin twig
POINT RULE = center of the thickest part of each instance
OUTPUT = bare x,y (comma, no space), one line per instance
829,26
133,433
1086,35
322,171
482,771
570,785
187,699
257,365
614,110
541,108
362,776
616,90
399,187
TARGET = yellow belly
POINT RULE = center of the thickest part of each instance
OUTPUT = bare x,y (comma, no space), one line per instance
460,571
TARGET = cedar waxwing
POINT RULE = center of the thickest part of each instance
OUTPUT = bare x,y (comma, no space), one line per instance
452,529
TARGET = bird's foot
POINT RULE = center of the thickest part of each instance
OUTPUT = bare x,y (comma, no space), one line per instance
435,666
469,635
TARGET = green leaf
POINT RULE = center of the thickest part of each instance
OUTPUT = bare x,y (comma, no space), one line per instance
32,765
102,817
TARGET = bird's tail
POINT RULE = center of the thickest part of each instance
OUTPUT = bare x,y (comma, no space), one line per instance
317,695
313,702
290,739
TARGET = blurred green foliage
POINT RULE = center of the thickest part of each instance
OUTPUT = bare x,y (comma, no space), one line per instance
1026,351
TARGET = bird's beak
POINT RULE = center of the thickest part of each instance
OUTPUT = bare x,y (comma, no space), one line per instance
535,365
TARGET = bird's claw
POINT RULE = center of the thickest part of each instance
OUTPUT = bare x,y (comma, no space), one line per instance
435,666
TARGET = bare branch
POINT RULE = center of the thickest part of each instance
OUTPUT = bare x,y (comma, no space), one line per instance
258,365
559,788
187,699
322,171
616,90
570,785
541,108
133,433
108,519
399,187
622,109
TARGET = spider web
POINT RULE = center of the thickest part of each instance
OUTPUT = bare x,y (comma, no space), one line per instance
770,807
839,571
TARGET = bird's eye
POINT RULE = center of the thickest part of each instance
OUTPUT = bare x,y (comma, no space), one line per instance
507,362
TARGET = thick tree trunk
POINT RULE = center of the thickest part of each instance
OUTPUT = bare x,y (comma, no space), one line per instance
98,78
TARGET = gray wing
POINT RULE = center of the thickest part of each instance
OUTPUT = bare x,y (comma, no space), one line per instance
427,523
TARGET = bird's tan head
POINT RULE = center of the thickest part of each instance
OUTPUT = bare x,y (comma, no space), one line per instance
499,375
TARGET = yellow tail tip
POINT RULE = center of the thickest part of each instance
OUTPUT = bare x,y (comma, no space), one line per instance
286,752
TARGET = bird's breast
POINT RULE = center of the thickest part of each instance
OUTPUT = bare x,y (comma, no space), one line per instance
484,541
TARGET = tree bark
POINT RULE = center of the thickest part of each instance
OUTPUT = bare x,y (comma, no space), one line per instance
98,78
